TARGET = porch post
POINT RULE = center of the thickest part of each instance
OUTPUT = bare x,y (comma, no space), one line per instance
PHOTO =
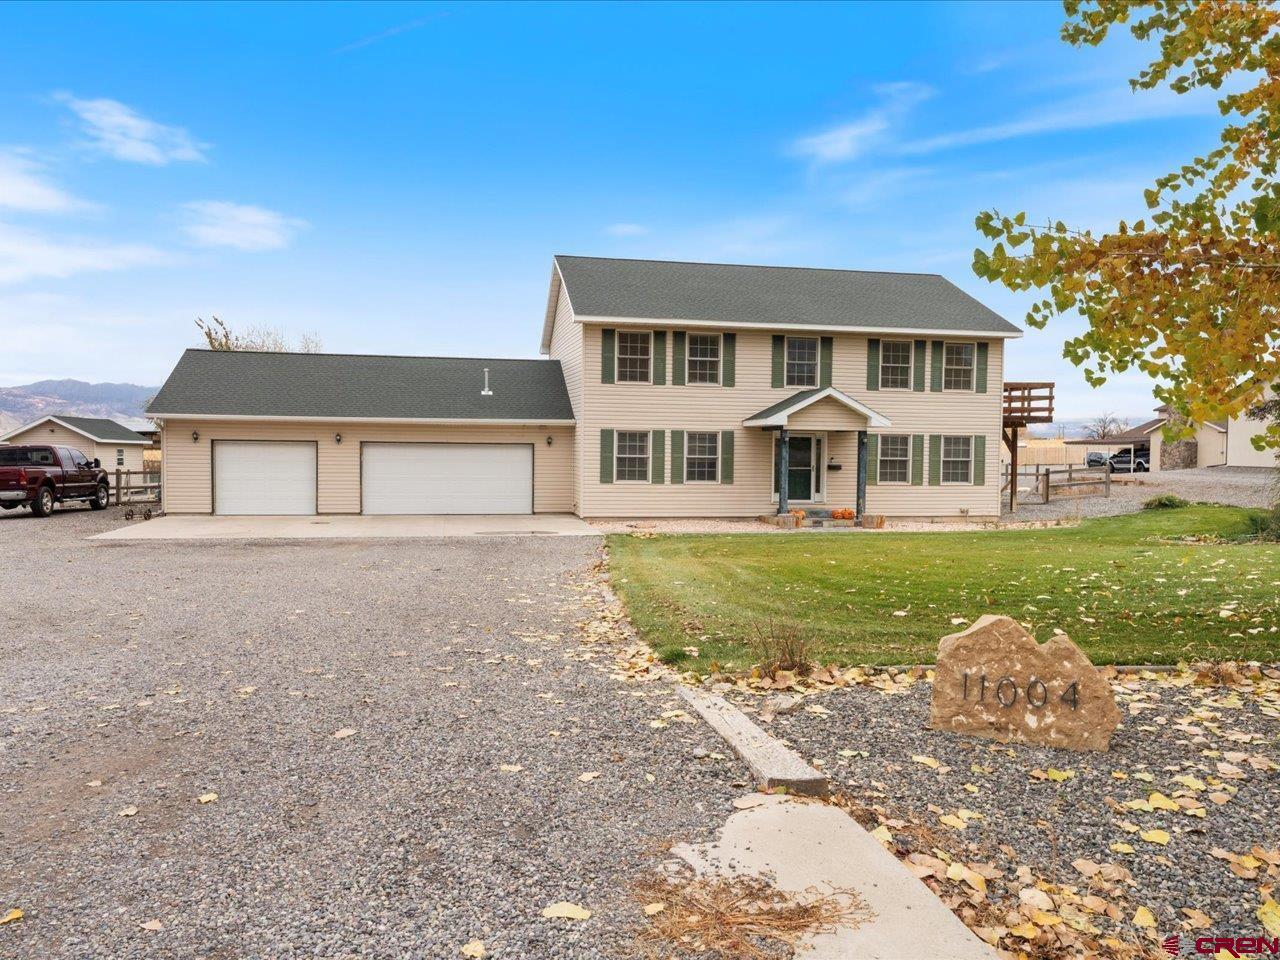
862,475
783,476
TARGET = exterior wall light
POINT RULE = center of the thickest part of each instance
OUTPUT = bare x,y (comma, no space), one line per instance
548,441
195,436
337,438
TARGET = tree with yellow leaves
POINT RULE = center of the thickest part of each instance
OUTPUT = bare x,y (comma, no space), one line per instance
1190,295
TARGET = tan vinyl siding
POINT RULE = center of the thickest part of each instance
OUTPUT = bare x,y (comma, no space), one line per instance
566,346
106,453
188,479
646,407
828,414
1211,447
58,436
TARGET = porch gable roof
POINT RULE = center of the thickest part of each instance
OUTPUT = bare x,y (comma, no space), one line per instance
776,415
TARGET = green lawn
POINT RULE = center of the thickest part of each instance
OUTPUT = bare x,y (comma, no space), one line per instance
1121,587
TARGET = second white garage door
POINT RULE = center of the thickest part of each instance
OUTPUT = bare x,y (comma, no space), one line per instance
264,478
429,478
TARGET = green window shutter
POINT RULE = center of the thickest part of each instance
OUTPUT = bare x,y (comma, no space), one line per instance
606,355
936,366
918,361
726,456
606,456
779,360
917,457
979,459
873,364
935,459
677,358
657,458
677,456
728,359
873,459
980,364
826,348
659,357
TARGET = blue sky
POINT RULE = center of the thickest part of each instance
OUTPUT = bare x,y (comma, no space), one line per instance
397,177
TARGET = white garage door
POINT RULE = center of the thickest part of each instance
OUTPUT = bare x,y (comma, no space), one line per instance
264,478
446,478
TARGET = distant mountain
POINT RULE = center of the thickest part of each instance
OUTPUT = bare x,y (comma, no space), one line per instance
20,404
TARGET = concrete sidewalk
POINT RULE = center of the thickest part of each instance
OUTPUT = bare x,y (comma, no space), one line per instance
349,527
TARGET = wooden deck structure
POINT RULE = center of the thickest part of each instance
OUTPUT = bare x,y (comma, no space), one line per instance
1025,403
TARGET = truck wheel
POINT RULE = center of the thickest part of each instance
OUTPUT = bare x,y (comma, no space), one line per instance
42,505
101,498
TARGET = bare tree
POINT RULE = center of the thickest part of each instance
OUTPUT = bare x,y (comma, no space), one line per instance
1104,426
265,339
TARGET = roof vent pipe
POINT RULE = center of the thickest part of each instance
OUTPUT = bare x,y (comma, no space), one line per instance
486,392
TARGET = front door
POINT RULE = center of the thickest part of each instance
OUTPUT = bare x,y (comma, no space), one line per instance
804,468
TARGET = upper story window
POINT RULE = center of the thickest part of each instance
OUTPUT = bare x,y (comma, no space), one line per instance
633,455
704,358
895,458
895,365
957,459
802,361
635,357
957,366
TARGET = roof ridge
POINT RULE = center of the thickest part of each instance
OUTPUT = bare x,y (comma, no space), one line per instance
753,266
379,356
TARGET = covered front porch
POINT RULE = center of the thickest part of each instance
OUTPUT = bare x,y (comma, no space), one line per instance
806,428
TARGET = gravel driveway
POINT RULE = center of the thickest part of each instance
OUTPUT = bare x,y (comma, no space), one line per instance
145,676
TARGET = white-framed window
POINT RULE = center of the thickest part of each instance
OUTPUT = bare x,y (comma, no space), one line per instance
802,362
895,364
634,360
895,458
632,456
703,362
119,456
958,362
702,456
957,459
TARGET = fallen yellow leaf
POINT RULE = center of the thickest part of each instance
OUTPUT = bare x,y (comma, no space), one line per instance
1159,801
207,797
951,820
588,777
152,925
129,812
882,834
1269,914
1027,931
474,950
653,909
1155,836
565,911
11,916
1119,847
1142,917
929,762
344,733
1059,775
510,767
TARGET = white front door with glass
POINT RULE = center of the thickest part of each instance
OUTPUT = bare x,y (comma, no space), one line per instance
805,468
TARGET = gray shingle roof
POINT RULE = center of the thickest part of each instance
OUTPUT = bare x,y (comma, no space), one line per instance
787,404
776,296
239,383
98,428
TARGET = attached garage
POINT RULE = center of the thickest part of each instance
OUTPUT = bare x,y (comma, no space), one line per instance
264,478
440,478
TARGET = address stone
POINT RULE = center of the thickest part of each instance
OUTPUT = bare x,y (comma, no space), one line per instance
994,680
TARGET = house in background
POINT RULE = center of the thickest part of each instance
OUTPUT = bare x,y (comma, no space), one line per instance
670,389
114,445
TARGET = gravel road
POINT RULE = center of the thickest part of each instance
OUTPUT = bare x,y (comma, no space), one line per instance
143,676
867,742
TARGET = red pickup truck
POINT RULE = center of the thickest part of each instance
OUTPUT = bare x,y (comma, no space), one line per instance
39,476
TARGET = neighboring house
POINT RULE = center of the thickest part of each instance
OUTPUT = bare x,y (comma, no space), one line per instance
1207,447
1240,451
672,389
115,446
1137,439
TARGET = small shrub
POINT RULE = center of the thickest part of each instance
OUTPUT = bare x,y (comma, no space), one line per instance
783,646
1264,524
1166,501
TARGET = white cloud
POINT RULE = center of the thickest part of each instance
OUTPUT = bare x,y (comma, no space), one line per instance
852,139
25,255
626,230
23,186
218,223
121,132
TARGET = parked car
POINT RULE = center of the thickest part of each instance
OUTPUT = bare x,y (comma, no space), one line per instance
1095,459
1126,462
40,476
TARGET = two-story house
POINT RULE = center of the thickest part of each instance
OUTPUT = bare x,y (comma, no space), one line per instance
670,390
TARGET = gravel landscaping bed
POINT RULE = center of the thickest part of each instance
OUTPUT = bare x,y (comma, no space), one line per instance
1231,486
413,745
1049,809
